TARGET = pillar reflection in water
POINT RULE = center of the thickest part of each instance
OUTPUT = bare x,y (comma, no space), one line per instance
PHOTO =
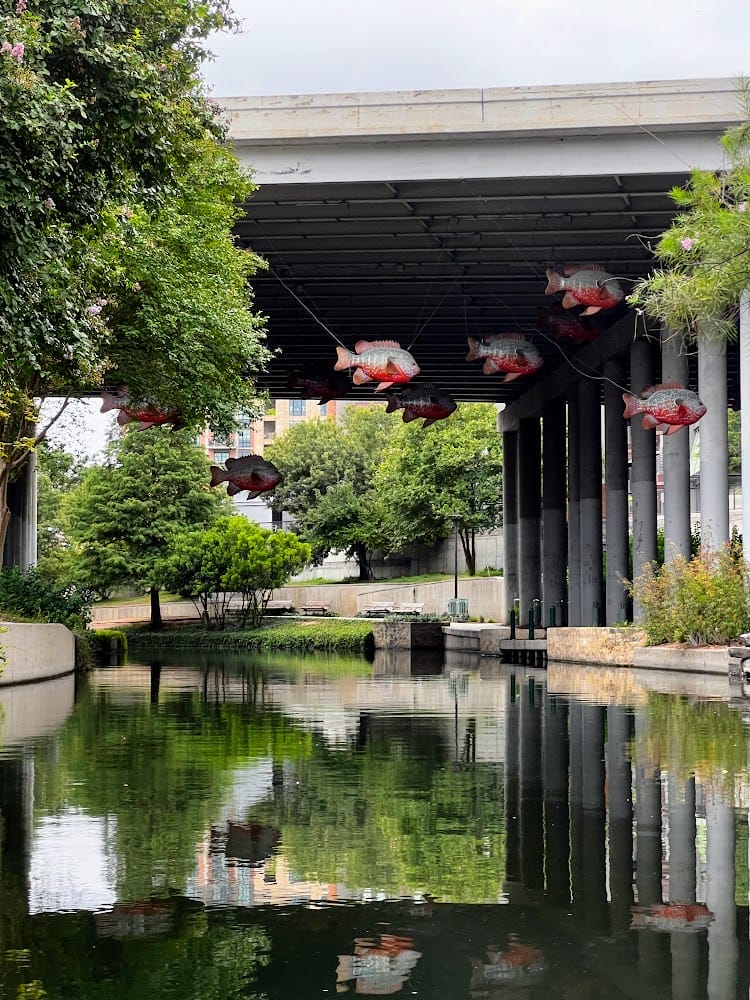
620,803
685,948
512,833
720,880
556,814
593,815
532,827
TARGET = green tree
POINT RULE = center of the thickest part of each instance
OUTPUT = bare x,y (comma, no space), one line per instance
125,514
704,256
58,473
233,556
329,481
427,477
117,199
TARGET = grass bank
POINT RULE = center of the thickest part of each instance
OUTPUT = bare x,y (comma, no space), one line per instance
301,636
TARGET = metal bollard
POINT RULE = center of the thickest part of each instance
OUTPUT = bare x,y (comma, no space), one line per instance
513,624
563,613
531,623
537,603
596,614
552,616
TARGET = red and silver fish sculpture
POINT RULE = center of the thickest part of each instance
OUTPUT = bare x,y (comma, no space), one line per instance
323,388
556,324
425,400
505,352
672,918
384,361
667,407
585,285
251,473
146,414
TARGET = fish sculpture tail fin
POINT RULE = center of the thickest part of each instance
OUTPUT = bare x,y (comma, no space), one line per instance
217,475
555,282
344,359
123,418
109,402
632,405
393,402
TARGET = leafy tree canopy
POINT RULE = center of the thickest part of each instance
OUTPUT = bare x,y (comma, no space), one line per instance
329,481
427,476
125,514
117,200
704,257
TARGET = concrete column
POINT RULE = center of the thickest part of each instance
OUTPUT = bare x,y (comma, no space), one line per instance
642,469
723,947
555,777
20,543
675,450
529,514
620,800
589,417
510,517
745,420
712,387
574,509
616,494
554,530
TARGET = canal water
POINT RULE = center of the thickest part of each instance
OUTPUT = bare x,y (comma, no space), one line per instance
217,827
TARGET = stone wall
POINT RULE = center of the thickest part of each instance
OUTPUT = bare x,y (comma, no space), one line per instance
594,645
35,652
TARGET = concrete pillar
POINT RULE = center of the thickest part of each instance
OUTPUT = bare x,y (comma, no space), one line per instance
510,517
589,417
745,420
616,494
712,388
620,801
574,510
555,778
529,514
675,450
554,531
20,543
723,947
642,469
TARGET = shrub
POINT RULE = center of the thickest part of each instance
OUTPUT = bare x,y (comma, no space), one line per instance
32,596
108,644
703,601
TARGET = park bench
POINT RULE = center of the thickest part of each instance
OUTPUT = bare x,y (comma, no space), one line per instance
378,610
409,609
315,609
279,606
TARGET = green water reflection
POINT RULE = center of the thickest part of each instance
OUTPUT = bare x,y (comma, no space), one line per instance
280,828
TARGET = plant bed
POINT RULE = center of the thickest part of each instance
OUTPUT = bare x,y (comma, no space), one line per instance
301,635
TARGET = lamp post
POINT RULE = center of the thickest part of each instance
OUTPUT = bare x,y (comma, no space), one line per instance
455,518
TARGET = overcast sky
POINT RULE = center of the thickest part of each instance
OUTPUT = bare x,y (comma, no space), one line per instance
318,46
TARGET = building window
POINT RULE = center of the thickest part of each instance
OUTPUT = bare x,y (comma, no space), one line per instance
297,407
323,409
220,456
244,452
244,438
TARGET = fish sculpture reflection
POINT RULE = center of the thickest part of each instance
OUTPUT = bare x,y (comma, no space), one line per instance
379,966
505,352
670,918
517,964
666,407
586,285
145,414
558,324
383,361
324,388
426,401
251,473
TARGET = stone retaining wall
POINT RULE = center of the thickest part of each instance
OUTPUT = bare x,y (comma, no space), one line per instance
35,652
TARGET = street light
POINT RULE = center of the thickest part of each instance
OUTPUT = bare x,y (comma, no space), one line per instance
455,518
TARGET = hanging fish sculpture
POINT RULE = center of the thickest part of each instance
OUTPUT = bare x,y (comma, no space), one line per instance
585,285
426,401
383,361
251,473
146,414
666,407
557,324
505,352
326,388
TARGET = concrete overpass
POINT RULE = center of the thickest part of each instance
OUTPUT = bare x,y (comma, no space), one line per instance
429,216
